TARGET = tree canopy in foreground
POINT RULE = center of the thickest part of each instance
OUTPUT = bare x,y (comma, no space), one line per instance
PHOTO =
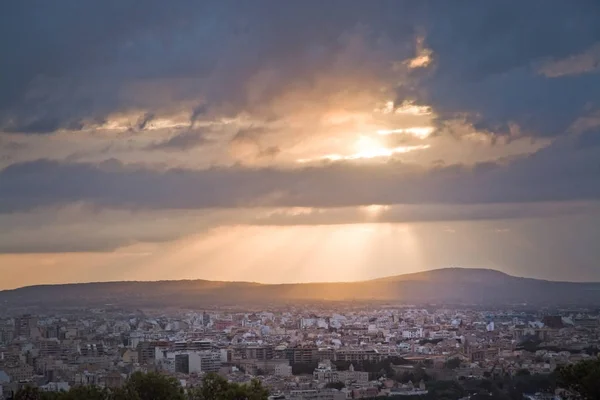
154,386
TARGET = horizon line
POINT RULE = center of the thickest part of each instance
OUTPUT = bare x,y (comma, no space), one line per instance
289,283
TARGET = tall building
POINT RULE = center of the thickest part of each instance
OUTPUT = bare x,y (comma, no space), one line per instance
182,363
25,326
327,373
205,319
6,335
192,361
49,348
146,352
195,345
306,354
255,352
210,361
53,331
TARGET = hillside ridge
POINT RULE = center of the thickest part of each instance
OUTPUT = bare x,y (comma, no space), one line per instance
442,286
418,274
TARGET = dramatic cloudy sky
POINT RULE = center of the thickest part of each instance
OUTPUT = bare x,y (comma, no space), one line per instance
286,141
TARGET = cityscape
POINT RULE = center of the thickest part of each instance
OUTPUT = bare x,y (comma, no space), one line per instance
329,350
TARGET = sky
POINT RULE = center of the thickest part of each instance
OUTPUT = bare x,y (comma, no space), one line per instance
298,141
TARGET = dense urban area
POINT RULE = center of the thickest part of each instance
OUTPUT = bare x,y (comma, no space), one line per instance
322,352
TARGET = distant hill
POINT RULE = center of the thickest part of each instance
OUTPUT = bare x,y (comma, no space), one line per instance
441,286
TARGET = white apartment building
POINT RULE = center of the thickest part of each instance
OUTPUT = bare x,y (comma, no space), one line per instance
413,333
441,334
190,361
282,369
327,373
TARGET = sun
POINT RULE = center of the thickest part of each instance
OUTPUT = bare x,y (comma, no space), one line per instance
368,147
365,148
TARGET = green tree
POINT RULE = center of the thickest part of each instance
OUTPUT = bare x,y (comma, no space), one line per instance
453,363
335,385
256,391
124,393
28,393
215,387
303,368
154,386
581,379
85,392
253,391
212,387
445,390
415,375
523,372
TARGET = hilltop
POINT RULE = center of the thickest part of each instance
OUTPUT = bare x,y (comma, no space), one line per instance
441,286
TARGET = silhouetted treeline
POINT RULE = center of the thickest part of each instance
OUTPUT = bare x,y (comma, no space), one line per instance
582,380
153,386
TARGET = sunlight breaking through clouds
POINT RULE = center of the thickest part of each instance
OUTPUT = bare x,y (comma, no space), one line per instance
367,154
420,132
368,147
203,123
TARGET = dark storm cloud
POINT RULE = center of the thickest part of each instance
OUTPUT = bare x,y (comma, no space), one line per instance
71,61
50,52
567,170
488,56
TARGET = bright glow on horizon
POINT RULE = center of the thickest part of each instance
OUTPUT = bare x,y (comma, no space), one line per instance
374,210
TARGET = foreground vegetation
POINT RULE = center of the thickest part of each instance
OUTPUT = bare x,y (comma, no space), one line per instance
581,380
153,386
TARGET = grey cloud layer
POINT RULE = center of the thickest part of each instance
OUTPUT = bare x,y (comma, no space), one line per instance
181,141
79,228
567,170
488,56
72,63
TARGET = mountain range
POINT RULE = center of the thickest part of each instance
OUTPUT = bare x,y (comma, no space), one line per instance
441,286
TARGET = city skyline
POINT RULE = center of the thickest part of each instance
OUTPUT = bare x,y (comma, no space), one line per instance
282,142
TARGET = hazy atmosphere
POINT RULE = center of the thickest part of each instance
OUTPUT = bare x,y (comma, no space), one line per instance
276,141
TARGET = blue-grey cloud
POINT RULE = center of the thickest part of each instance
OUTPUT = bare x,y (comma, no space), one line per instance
181,141
508,67
76,61
78,228
487,64
567,170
